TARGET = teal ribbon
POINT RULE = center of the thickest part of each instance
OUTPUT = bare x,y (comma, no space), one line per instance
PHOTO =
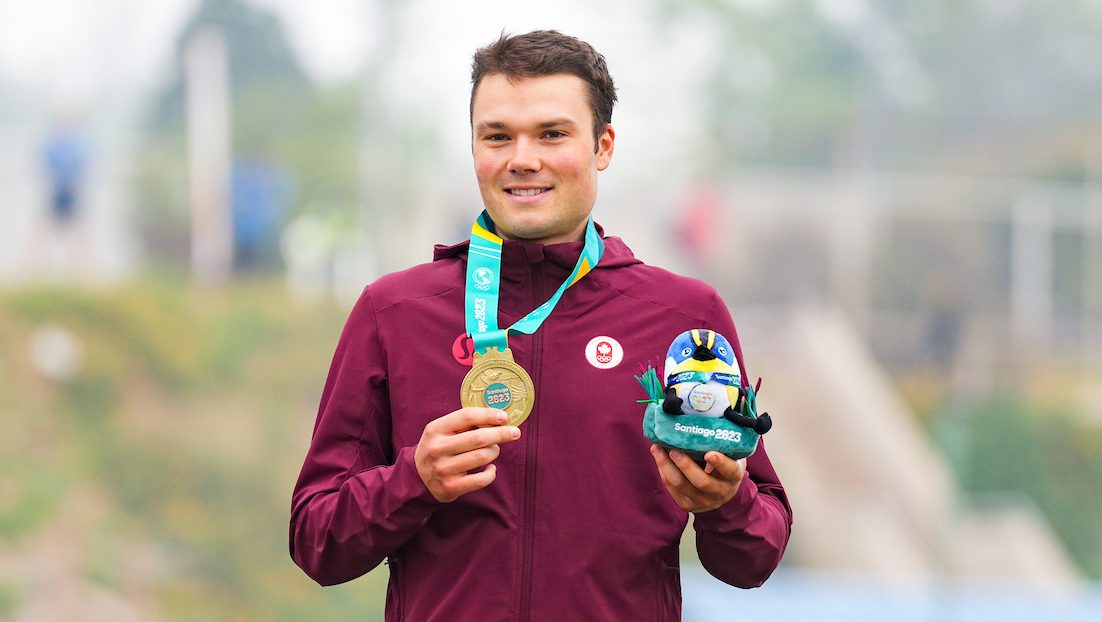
484,280
730,380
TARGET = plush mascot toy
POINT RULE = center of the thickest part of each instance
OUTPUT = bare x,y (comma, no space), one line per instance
703,406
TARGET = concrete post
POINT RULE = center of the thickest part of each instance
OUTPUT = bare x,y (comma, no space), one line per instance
1031,276
206,86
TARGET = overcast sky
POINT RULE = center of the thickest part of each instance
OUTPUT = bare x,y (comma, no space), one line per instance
70,48
102,59
76,52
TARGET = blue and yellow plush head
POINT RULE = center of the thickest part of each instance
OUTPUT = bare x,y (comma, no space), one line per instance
700,350
702,370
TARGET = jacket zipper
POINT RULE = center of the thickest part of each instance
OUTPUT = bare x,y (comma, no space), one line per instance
530,461
394,563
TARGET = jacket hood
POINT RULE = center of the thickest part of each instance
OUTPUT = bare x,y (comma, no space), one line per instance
617,254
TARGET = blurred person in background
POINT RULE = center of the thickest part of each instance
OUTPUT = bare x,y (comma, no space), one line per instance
577,517
259,192
64,158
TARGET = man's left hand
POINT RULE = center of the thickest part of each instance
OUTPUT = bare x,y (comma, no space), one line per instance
697,489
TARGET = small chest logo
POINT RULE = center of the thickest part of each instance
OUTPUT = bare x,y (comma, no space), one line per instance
463,350
604,352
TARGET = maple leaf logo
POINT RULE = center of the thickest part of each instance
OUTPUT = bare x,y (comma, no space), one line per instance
604,352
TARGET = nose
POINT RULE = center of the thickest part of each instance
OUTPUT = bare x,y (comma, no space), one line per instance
525,157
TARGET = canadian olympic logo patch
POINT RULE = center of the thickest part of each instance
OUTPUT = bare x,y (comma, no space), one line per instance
604,352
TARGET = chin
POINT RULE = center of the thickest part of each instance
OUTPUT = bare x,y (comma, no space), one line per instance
522,228
529,234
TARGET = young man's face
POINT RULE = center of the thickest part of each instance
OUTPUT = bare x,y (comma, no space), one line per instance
534,155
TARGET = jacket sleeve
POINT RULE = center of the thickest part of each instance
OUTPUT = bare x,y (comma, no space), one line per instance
357,498
742,542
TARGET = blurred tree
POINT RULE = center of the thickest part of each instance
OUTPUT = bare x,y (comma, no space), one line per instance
782,85
1005,444
259,56
281,122
929,84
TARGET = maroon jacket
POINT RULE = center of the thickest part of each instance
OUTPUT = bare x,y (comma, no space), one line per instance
577,525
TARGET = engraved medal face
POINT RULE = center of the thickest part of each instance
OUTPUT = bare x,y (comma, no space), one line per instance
496,381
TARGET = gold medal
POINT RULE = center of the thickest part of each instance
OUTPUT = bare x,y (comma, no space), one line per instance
496,381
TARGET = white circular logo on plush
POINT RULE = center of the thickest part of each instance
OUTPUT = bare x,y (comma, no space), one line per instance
701,398
604,352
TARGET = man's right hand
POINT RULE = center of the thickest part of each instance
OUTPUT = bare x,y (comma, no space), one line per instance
458,443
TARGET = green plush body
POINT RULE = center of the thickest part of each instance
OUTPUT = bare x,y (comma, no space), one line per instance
696,435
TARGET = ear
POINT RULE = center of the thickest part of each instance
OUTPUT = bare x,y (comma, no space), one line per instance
605,143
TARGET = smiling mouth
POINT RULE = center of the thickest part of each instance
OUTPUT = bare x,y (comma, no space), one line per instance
527,192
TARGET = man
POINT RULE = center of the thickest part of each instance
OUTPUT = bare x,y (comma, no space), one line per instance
573,515
65,157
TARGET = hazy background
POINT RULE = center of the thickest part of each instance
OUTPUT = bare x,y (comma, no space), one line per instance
901,202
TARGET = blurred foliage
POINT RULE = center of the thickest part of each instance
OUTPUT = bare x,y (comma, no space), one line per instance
1010,443
7,600
257,49
279,119
174,447
30,498
943,84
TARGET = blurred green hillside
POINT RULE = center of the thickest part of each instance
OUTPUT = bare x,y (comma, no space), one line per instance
159,474
156,477
1036,440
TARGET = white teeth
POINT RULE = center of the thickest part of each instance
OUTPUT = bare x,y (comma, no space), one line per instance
527,193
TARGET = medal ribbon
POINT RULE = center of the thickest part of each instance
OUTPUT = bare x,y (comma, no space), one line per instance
730,380
484,279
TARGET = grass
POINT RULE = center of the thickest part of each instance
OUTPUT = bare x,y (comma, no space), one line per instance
188,418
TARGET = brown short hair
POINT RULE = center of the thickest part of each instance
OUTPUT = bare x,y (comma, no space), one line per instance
545,52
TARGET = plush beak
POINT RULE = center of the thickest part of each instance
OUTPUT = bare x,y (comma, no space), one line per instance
702,353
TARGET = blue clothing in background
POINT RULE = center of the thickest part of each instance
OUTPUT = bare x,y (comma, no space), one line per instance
65,156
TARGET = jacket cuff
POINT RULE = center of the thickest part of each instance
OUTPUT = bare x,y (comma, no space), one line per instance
730,513
406,501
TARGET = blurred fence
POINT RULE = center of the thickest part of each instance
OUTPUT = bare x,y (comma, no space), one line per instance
998,272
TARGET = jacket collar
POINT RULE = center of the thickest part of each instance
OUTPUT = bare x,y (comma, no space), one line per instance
617,254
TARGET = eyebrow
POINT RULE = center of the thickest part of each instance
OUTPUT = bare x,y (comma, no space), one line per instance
489,125
560,122
543,125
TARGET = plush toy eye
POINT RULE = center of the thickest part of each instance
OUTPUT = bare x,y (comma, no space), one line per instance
686,352
722,351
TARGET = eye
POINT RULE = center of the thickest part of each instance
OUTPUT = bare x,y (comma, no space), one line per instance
722,351
686,352
553,134
496,138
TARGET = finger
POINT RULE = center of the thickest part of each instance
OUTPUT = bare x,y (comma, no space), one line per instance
670,474
724,466
459,486
692,472
467,419
687,496
478,438
472,418
467,461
